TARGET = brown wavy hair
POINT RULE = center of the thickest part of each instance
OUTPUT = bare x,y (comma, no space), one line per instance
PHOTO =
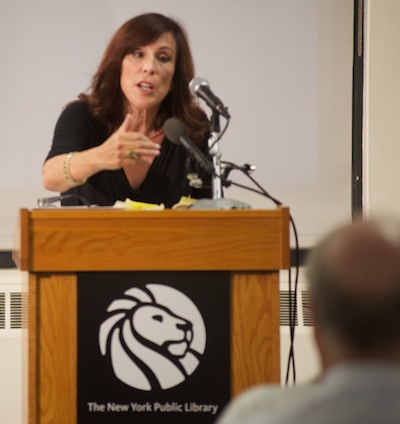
105,97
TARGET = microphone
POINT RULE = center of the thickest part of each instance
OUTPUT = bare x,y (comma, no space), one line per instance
176,132
200,87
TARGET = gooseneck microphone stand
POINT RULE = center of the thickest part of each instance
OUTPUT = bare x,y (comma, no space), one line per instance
215,153
217,201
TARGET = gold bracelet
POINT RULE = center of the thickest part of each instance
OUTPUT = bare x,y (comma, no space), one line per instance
67,172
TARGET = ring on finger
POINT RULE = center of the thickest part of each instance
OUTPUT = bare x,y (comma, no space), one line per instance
133,155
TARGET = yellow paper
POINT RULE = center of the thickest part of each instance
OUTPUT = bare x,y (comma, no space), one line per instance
138,206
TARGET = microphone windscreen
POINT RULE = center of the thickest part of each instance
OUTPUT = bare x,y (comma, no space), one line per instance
195,84
174,130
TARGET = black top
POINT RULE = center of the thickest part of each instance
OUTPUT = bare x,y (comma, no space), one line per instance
165,182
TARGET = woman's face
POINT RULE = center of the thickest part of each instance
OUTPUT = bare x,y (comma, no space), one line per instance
146,74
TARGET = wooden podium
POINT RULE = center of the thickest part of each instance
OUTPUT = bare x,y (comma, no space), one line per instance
54,244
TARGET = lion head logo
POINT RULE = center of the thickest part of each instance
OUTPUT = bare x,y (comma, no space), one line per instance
155,337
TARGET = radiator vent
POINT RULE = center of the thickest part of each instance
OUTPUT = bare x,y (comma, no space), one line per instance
11,316
15,310
308,315
301,311
2,311
287,304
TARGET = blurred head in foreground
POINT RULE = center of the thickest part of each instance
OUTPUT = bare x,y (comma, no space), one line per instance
354,280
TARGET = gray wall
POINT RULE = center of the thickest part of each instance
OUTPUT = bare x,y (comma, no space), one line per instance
284,68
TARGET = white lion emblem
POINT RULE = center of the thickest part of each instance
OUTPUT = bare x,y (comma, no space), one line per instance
155,337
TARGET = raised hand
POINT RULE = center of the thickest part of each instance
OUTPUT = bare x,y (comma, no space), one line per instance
126,144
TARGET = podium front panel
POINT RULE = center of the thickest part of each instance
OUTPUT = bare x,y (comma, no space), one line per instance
153,347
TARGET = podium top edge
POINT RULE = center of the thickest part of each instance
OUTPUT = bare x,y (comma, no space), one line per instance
101,213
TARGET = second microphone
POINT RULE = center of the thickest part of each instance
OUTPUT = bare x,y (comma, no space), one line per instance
176,132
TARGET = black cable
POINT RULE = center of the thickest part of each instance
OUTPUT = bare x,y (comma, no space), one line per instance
293,308
292,297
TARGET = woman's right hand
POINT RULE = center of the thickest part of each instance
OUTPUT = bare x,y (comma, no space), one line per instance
114,152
